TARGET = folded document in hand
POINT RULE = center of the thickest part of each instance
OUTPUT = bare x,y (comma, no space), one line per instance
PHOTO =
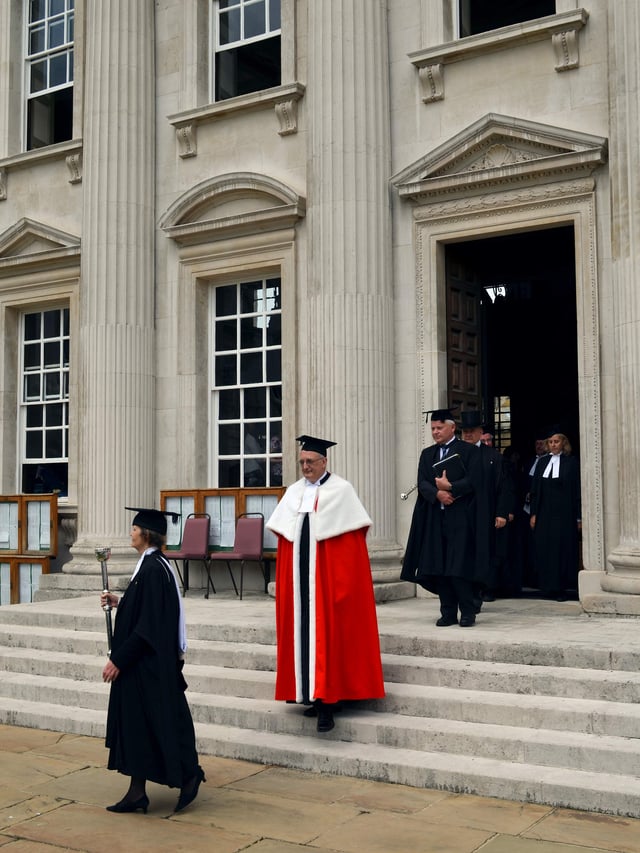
453,465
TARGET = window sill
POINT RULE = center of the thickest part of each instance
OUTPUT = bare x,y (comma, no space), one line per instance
71,152
284,99
562,28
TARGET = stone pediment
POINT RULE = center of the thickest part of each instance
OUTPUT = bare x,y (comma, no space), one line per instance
231,205
28,238
501,150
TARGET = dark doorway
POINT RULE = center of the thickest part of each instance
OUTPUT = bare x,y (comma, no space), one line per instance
528,340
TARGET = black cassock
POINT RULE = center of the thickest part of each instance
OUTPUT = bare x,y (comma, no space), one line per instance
149,727
555,502
425,561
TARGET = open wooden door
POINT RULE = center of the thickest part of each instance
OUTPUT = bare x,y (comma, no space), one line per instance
464,336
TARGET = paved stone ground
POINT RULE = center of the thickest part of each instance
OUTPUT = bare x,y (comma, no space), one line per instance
53,789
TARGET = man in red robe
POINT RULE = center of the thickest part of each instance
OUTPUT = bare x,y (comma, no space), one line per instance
327,630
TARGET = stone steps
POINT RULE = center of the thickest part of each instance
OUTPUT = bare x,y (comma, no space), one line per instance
463,715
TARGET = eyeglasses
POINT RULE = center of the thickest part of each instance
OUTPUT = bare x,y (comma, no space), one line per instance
303,462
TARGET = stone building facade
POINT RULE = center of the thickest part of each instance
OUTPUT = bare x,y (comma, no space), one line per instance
244,220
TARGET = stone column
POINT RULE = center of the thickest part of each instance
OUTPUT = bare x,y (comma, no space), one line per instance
348,309
624,167
115,409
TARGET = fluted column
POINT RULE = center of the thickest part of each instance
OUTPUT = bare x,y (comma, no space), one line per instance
624,165
348,307
115,350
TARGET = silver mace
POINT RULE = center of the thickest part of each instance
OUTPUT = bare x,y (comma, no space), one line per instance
102,555
405,495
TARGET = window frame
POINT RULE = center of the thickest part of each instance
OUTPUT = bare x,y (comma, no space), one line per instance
67,48
269,457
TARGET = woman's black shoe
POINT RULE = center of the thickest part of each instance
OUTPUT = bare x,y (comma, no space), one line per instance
126,805
190,791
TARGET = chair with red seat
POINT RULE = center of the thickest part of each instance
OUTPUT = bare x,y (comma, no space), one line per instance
194,545
247,547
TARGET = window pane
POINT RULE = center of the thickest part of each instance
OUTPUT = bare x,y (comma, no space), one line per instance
56,7
275,401
251,368
251,297
53,444
31,356
38,76
51,386
255,438
65,353
58,70
230,26
229,405
51,324
226,335
32,387
34,416
34,445
54,415
226,370
250,333
274,330
228,473
255,403
276,473
254,472
229,439
36,40
274,15
52,354
56,34
37,10
226,300
31,327
275,442
254,20
274,369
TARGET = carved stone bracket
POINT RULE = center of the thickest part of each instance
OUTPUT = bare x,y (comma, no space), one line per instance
565,45
432,82
187,137
74,165
287,113
3,184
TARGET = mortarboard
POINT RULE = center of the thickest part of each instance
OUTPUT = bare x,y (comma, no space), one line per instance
315,445
440,414
152,519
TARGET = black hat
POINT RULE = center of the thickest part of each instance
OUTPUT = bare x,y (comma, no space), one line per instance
440,414
152,519
471,419
315,445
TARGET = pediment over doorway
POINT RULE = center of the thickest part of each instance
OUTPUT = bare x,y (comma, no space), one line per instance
28,237
501,150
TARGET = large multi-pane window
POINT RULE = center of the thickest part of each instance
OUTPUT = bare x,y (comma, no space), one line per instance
247,384
247,46
49,71
480,16
44,400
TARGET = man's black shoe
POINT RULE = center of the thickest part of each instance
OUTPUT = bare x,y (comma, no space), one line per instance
467,621
444,622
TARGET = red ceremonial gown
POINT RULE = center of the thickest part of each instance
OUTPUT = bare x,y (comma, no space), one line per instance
341,638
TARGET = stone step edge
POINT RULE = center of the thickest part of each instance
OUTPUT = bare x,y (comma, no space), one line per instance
589,791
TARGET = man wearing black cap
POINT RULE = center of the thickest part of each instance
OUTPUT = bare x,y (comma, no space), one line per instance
441,549
495,505
327,630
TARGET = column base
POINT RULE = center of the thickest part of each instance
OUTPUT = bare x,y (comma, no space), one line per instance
607,594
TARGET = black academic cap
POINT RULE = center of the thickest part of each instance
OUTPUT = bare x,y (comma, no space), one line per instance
315,445
440,414
152,519
471,419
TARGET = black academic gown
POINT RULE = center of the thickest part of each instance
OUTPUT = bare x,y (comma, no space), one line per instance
425,561
150,732
555,502
496,499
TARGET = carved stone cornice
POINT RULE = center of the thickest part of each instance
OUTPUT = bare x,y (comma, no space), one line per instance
501,151
562,28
